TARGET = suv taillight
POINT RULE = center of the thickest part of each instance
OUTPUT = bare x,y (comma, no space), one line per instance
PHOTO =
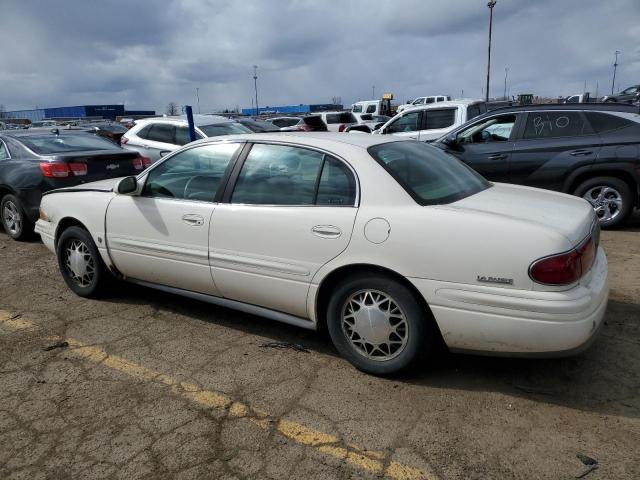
140,163
124,140
565,268
342,127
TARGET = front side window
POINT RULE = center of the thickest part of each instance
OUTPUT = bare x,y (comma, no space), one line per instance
419,101
439,118
3,152
427,173
630,90
357,109
494,129
161,132
407,123
554,125
193,174
284,175
605,122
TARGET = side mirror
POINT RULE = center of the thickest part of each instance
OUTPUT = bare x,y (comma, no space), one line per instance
450,141
165,152
127,186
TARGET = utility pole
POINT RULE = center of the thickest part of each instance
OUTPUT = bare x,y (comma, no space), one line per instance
373,92
615,66
255,86
198,97
491,4
506,72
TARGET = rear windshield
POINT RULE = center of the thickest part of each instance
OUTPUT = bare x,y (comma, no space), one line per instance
231,128
428,174
113,128
344,117
49,144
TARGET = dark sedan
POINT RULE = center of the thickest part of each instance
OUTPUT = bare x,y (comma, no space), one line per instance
588,150
33,162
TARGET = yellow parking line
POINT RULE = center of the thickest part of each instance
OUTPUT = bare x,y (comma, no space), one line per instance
297,432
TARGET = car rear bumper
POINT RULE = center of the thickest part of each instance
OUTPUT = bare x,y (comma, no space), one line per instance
500,321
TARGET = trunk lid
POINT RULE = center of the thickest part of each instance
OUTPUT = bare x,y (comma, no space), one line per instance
572,217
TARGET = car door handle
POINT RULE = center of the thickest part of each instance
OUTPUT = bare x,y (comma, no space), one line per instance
193,220
578,153
497,156
326,231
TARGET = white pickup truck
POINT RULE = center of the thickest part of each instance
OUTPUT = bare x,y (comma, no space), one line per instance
418,102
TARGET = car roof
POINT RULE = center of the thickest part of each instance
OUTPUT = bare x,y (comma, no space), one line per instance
611,107
317,139
198,120
42,131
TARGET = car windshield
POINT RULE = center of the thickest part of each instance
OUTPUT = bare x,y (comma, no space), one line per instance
113,128
428,174
259,126
50,144
230,128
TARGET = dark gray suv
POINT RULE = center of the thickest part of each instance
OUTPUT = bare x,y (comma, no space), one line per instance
589,150
628,95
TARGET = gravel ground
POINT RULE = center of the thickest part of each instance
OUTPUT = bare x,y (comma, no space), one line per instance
148,385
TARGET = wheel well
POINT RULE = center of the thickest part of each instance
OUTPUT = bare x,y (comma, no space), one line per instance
619,174
4,191
66,223
330,281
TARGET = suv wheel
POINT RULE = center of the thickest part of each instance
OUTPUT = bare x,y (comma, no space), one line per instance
14,218
376,323
611,198
80,263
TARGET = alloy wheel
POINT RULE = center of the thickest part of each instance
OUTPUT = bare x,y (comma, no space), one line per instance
12,217
80,263
375,325
606,201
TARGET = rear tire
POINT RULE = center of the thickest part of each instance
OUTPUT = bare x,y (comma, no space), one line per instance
378,325
611,198
14,219
80,263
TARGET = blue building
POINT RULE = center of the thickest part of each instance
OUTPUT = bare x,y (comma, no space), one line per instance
81,111
302,108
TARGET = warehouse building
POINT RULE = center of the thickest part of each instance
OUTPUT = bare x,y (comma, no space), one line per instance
302,108
81,111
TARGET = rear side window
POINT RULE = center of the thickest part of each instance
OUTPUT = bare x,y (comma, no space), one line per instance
474,110
161,132
371,109
439,118
604,122
183,137
345,117
231,128
337,185
284,175
554,125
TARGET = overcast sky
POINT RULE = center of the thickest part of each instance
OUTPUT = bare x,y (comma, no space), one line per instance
146,53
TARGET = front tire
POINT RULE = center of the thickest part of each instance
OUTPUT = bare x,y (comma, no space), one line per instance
611,198
377,324
14,219
80,263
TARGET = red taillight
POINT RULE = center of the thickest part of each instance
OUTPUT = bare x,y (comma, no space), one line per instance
564,268
78,169
146,161
55,170
342,127
304,128
124,141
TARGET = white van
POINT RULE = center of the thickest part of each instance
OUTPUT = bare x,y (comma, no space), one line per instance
373,107
430,122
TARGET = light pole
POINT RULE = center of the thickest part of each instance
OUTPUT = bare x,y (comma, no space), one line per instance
615,66
255,86
491,4
198,97
373,92
506,72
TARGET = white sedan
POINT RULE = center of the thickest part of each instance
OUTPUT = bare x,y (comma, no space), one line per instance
393,245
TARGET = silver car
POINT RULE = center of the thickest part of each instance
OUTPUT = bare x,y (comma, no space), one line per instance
153,137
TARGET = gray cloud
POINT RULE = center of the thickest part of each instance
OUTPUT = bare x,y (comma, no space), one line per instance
146,53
